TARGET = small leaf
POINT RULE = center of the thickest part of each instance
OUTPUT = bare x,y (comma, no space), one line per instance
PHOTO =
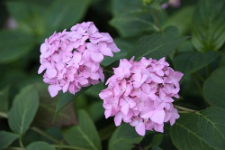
6,138
65,98
124,137
61,14
14,44
24,108
214,89
155,46
209,25
192,61
40,146
46,111
83,136
4,100
204,130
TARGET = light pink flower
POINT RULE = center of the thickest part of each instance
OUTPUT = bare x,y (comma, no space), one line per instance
71,59
141,93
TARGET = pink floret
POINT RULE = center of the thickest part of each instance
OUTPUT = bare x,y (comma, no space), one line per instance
141,93
71,59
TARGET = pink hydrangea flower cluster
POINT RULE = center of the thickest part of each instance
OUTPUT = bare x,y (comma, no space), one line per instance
172,3
141,93
72,58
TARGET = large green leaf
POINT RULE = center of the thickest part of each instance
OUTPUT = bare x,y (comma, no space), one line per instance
203,130
124,137
24,108
40,146
46,110
83,136
155,46
63,14
6,138
14,44
181,19
192,61
214,89
4,99
209,25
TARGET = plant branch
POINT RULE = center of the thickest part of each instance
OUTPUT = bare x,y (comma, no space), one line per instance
3,115
45,135
21,142
184,109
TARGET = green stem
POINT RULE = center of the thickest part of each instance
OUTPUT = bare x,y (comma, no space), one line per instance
3,115
198,84
185,109
199,76
21,142
68,147
45,134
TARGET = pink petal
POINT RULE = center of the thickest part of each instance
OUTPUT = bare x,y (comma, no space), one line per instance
125,109
54,90
41,69
97,57
140,128
158,116
51,73
118,119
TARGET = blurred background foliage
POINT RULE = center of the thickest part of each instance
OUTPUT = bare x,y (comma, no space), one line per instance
24,25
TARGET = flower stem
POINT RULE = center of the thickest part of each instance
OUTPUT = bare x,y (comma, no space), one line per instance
185,109
45,134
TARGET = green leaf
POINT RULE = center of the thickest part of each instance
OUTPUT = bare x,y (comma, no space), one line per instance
14,44
190,62
134,21
65,98
6,138
214,89
155,46
46,110
24,108
40,146
203,130
61,14
209,25
83,136
182,19
157,139
124,137
4,100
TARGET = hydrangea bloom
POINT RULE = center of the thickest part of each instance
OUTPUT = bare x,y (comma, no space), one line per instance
72,58
141,93
172,3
